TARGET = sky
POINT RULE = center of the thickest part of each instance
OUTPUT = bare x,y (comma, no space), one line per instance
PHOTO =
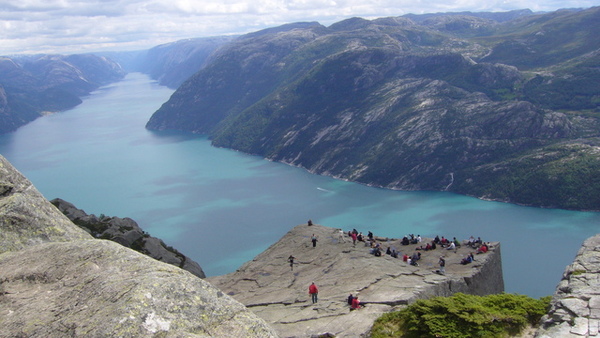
83,26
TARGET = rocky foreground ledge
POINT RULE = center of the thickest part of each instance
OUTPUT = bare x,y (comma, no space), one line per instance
271,289
58,281
575,305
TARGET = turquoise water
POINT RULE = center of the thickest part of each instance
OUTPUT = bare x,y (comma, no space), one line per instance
222,207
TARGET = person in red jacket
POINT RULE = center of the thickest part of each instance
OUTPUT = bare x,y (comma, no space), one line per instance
313,291
356,303
482,249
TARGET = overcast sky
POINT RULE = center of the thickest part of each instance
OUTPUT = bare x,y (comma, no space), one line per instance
80,26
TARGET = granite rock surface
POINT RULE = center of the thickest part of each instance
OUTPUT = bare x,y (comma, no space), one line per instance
279,294
575,305
58,281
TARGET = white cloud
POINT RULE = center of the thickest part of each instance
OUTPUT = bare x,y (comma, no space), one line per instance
78,26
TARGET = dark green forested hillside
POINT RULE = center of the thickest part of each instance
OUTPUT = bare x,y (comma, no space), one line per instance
500,109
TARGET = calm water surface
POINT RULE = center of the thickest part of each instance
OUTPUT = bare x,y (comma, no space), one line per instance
222,207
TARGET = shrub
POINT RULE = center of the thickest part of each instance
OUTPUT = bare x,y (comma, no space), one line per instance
462,315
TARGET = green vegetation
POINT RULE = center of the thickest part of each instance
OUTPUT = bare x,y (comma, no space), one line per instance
564,176
462,315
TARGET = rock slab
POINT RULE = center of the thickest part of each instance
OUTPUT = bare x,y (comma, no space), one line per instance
269,287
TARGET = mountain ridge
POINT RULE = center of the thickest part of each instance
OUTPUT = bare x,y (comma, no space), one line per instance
36,85
399,105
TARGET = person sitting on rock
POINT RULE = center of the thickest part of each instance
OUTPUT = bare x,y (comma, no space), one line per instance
360,237
426,248
376,249
456,242
405,241
350,299
467,260
356,303
443,241
471,242
451,246
482,249
370,235
415,257
377,252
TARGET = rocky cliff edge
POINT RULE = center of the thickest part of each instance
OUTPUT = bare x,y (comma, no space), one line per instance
57,281
575,306
269,287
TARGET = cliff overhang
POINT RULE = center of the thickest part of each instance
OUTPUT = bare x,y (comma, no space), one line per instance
279,294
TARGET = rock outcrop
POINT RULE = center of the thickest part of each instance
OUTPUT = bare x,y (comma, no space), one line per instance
26,217
269,287
575,306
56,280
128,233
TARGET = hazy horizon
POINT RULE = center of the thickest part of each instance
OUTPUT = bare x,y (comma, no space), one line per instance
76,26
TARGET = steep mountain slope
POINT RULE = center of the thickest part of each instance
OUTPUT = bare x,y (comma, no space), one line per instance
31,86
173,63
403,105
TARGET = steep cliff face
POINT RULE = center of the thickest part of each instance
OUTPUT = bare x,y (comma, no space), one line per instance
406,105
279,294
173,63
36,85
58,281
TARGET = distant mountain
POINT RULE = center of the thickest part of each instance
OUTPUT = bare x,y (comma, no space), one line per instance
31,86
498,17
502,109
172,63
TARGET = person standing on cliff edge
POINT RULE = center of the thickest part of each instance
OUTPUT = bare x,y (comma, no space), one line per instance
314,240
314,292
442,263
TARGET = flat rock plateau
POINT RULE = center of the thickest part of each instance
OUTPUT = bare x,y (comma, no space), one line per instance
269,287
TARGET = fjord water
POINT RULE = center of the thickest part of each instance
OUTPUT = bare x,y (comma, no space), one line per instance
222,207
